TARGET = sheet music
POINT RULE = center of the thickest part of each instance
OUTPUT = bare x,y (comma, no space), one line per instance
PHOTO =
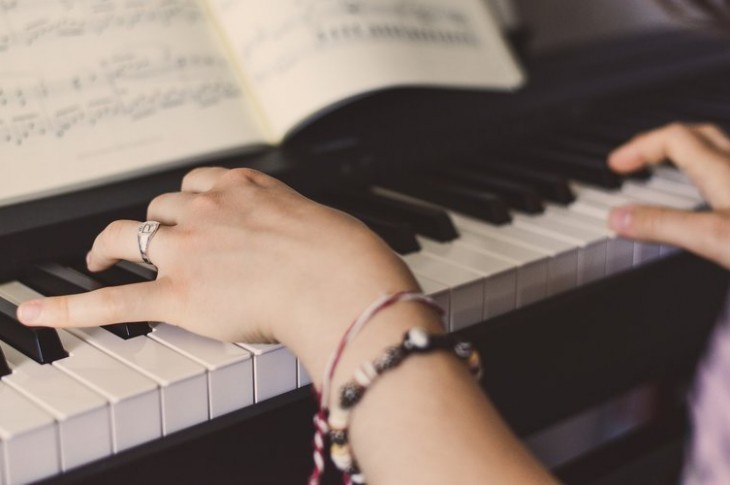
91,89
339,48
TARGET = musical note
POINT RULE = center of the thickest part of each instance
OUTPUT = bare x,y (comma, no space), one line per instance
50,20
129,85
274,44
75,74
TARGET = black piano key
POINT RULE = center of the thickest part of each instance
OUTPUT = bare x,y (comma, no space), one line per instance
468,201
429,221
400,237
570,165
518,196
592,148
4,367
550,186
56,280
122,273
39,343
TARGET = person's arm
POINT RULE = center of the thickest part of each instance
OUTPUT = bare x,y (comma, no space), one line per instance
702,151
242,257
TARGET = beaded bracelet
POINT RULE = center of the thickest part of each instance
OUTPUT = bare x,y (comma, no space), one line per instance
323,397
415,341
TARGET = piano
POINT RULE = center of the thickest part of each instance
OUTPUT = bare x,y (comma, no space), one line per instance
495,201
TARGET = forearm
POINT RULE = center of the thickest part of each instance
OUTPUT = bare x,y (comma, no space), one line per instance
426,421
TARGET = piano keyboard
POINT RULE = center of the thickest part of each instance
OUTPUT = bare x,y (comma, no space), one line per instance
118,389
483,236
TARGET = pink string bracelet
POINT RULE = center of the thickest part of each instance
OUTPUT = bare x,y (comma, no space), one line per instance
321,427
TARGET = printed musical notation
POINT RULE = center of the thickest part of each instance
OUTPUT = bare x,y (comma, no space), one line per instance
128,86
27,23
276,43
91,67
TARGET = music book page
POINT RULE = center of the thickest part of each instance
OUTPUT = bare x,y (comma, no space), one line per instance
300,56
96,90
91,89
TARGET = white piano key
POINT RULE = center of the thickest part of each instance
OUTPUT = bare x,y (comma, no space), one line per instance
529,288
134,399
532,271
597,203
275,369
619,250
29,441
179,378
593,246
83,415
303,378
654,196
562,256
229,367
633,193
676,188
669,173
500,276
438,291
466,285
608,198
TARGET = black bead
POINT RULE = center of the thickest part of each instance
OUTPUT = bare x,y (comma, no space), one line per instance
463,350
338,436
391,358
351,394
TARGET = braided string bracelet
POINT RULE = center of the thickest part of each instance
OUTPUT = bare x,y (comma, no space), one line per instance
415,341
321,427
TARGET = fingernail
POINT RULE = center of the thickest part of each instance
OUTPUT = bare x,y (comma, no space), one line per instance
29,312
620,219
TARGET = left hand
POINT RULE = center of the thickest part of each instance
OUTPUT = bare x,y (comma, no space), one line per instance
702,151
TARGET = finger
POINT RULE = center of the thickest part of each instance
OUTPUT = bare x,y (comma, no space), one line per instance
704,163
714,135
202,179
704,233
139,302
118,241
169,208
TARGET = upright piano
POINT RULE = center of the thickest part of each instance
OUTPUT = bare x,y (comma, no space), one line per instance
496,201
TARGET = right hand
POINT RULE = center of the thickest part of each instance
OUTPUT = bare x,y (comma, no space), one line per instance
241,257
702,151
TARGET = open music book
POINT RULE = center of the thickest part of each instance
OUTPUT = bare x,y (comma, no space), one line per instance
93,90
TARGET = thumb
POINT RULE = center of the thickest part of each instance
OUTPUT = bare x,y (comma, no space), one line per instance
704,233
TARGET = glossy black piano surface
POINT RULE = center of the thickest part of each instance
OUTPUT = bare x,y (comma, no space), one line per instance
544,362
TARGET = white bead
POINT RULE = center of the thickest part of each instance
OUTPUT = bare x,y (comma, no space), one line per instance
357,478
342,461
365,374
338,418
418,337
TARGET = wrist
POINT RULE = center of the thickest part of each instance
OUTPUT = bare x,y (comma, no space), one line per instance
314,344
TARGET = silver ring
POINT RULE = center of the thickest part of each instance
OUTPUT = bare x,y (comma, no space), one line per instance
145,233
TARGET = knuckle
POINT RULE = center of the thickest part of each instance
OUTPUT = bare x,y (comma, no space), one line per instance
242,175
206,203
112,232
676,129
193,174
156,204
